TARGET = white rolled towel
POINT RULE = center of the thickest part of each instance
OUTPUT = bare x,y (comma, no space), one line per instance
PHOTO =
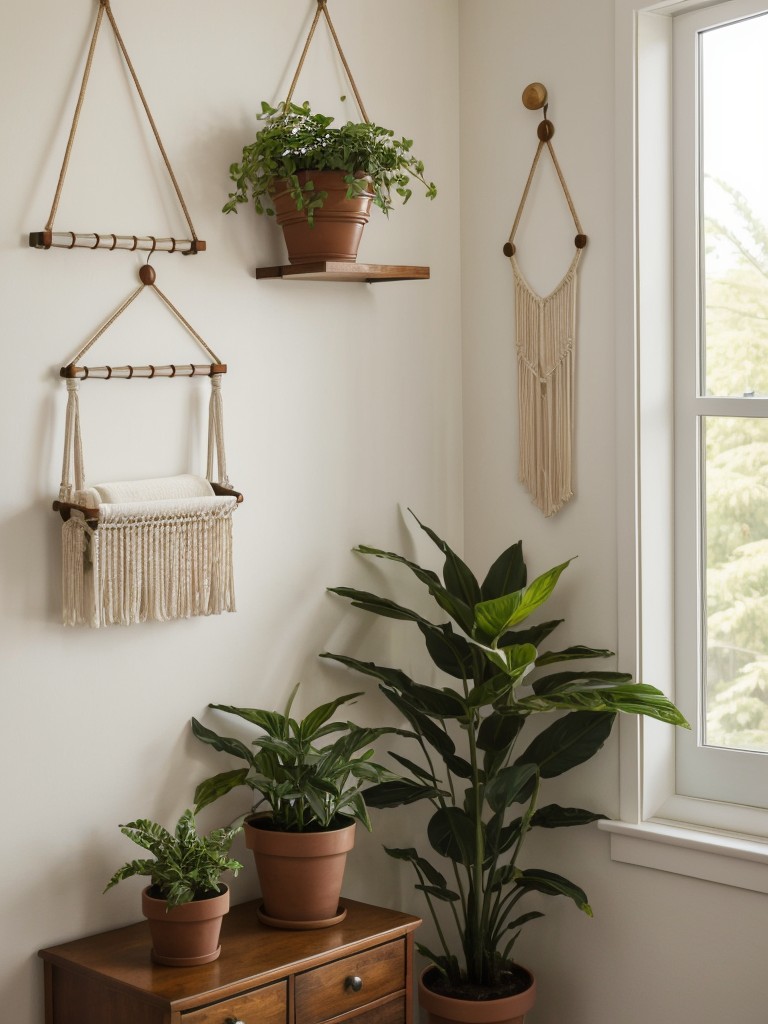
162,488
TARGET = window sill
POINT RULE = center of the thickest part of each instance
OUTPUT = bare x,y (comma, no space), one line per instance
740,861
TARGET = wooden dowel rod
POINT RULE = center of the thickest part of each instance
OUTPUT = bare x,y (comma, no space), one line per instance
144,372
131,243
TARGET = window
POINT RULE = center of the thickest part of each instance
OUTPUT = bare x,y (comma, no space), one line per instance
721,400
692,419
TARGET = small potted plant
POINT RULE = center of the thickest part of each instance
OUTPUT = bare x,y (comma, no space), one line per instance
313,792
320,179
482,771
186,901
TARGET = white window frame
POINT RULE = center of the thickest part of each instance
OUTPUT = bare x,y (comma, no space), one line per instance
708,772
658,828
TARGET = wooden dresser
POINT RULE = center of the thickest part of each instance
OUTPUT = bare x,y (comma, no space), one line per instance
360,971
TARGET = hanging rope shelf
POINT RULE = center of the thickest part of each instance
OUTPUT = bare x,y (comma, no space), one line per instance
158,548
49,237
545,328
330,270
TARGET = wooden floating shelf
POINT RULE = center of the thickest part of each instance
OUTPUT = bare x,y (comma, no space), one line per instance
367,273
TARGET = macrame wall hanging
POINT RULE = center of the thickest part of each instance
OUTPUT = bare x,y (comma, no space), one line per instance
145,549
545,329
50,238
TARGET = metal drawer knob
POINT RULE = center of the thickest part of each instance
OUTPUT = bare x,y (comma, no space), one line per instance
353,983
233,1020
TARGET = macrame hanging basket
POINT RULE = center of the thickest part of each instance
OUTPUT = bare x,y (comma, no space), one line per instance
154,549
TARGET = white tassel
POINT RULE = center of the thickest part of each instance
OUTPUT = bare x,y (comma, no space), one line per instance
161,568
546,332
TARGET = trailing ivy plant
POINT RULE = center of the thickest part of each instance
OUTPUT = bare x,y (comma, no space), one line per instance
479,768
186,866
305,784
294,139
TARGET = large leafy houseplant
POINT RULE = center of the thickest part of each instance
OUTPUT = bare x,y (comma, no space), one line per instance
185,866
480,769
306,785
295,139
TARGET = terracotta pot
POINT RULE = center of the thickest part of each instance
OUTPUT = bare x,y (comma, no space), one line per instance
338,224
447,1010
300,873
187,935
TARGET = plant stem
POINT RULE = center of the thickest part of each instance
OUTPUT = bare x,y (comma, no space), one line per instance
477,872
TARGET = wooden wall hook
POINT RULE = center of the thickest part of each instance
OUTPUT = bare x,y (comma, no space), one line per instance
534,96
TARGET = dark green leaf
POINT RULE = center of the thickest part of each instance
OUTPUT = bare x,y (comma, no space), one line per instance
538,880
439,893
451,833
459,580
422,725
315,719
563,681
378,605
554,816
420,863
568,742
532,635
421,773
509,785
397,792
391,677
270,721
533,915
507,574
496,737
498,732
449,651
571,654
455,607
458,766
225,744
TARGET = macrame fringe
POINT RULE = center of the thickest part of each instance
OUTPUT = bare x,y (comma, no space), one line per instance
151,569
545,330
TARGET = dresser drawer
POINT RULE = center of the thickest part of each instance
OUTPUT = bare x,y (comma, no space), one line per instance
268,1005
392,1012
347,984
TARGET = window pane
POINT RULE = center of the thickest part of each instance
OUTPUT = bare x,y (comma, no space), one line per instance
736,582
734,157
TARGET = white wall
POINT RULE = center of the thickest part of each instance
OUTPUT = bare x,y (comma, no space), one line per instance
343,403
661,947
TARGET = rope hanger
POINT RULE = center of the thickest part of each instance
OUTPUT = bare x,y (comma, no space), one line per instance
535,98
48,237
322,8
147,278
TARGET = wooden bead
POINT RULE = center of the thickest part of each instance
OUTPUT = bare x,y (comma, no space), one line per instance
546,130
509,249
581,241
147,274
534,96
